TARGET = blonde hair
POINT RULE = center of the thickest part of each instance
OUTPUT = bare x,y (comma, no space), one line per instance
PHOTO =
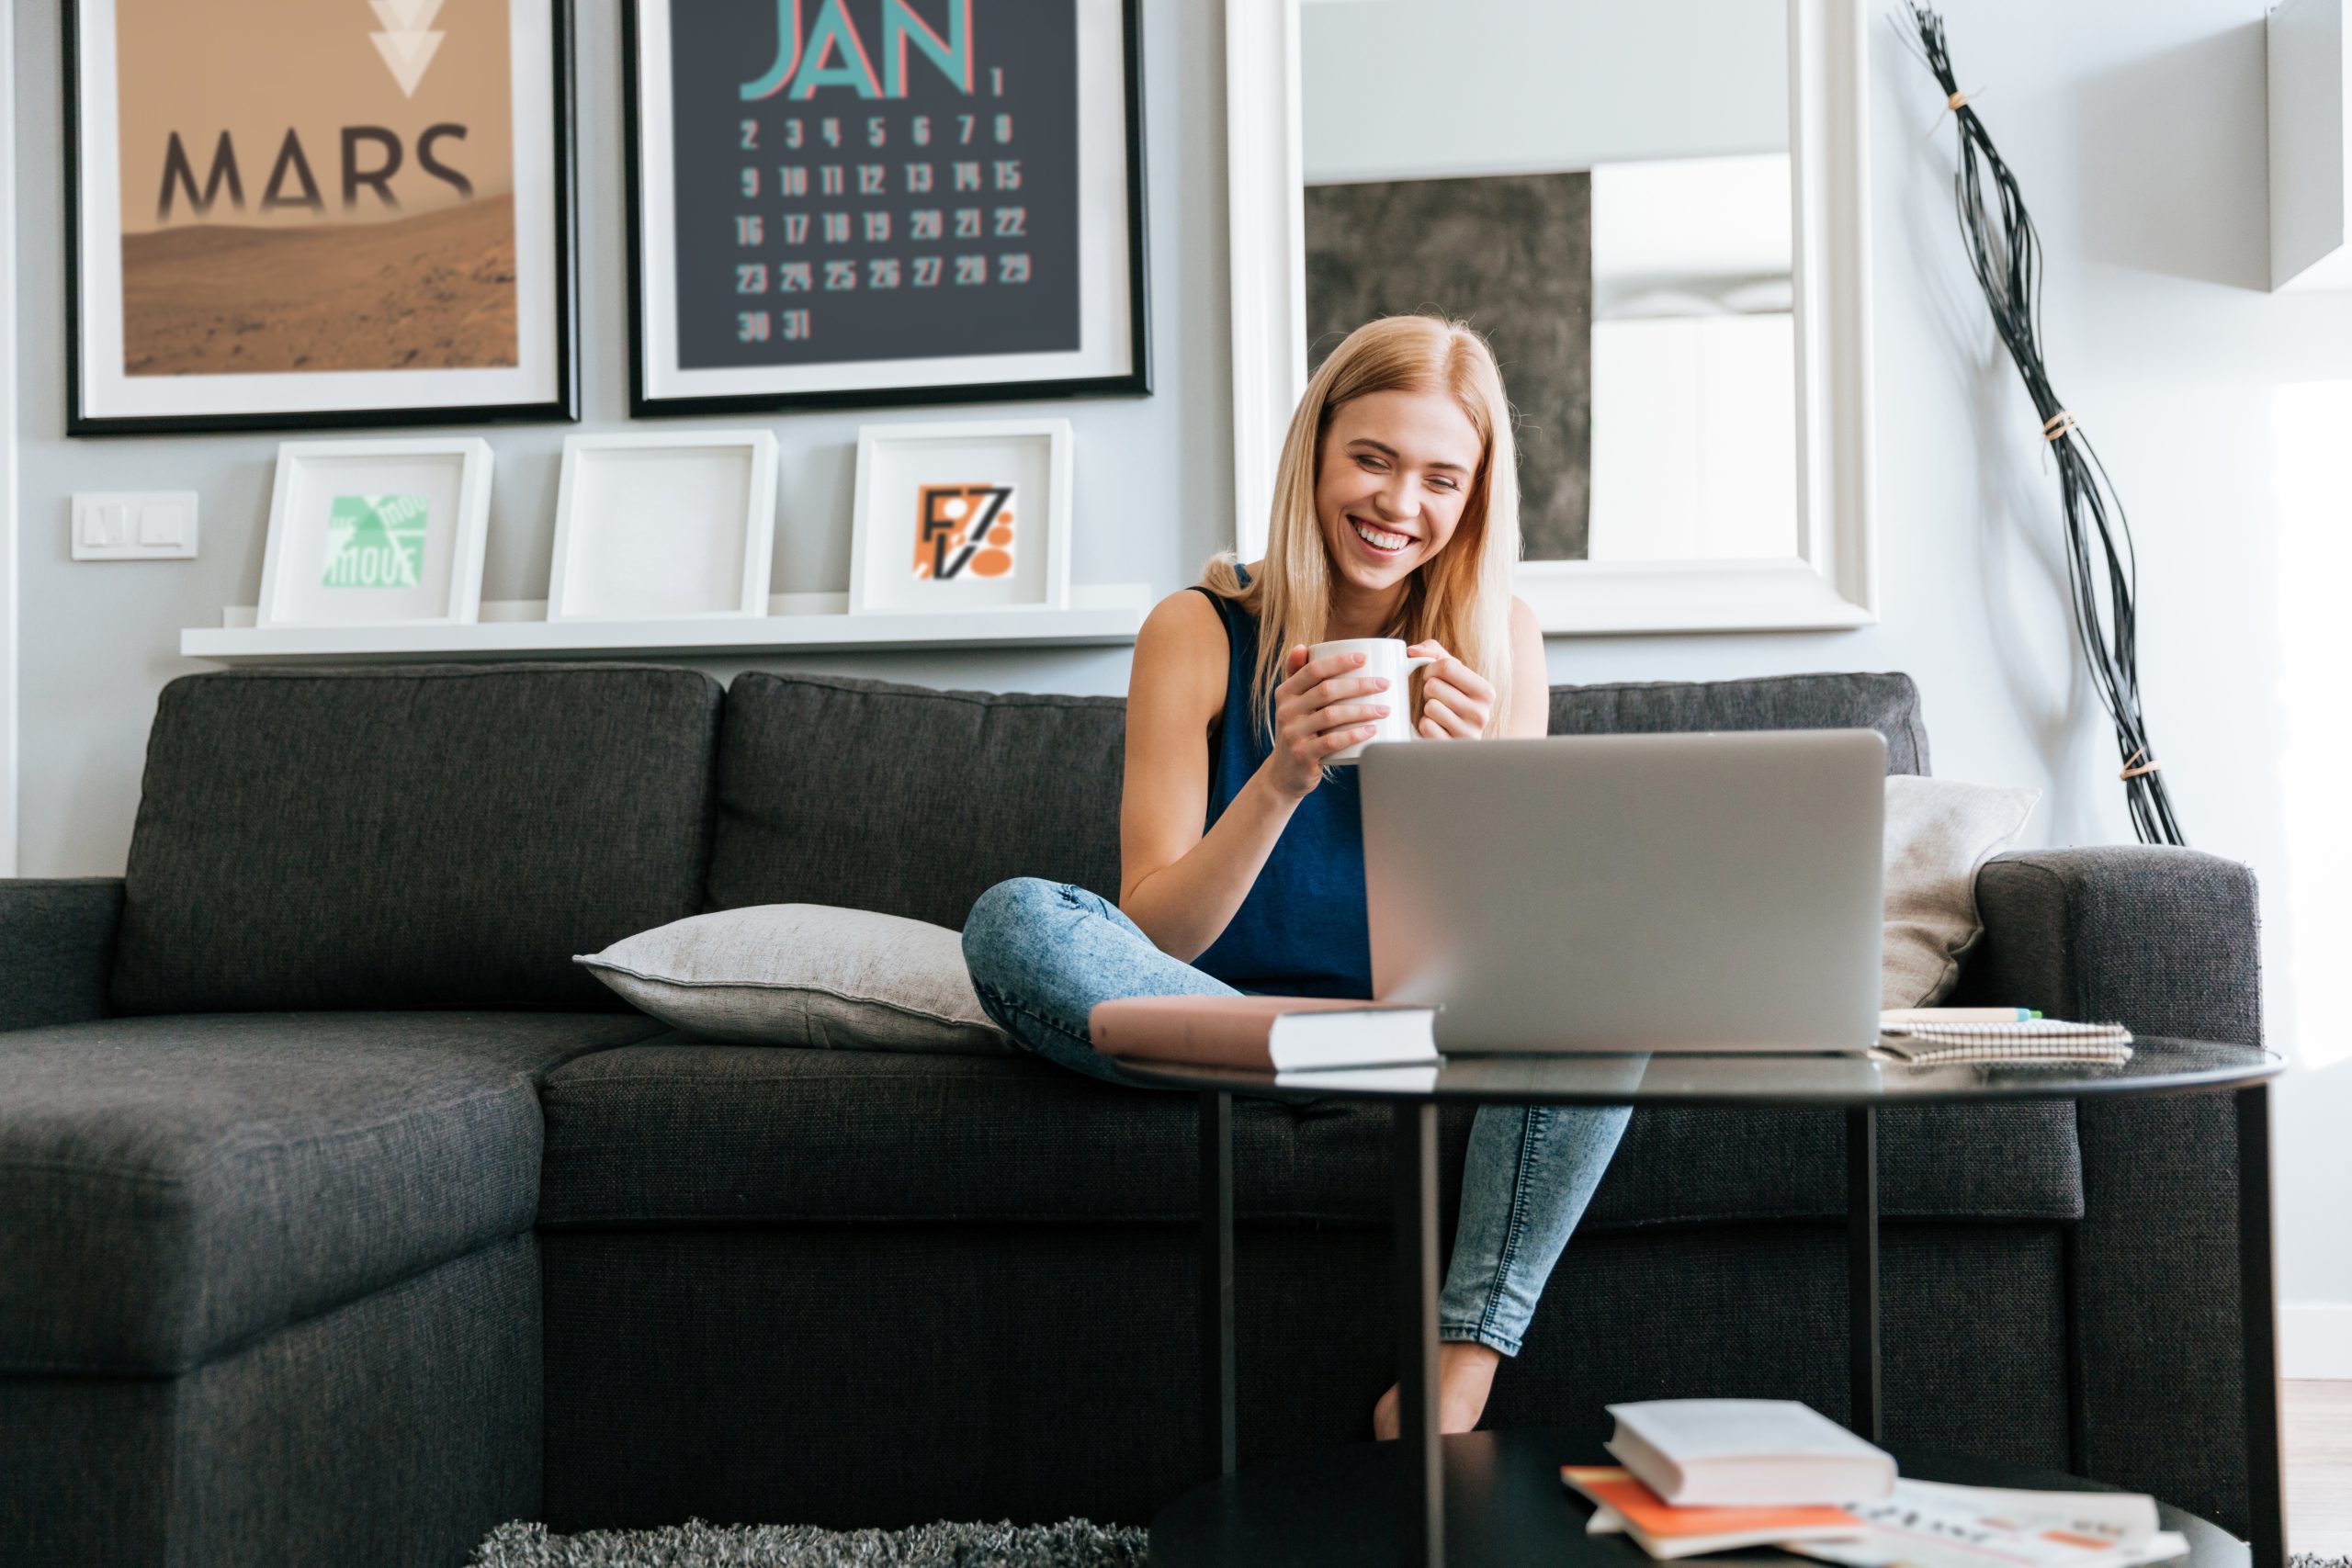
1461,597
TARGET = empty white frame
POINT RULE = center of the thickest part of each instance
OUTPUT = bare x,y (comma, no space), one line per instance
673,525
965,516
376,533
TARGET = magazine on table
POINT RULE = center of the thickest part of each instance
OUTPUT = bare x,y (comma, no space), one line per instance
1928,1525
1922,1524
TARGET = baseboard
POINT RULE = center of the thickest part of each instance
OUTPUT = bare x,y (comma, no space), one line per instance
2316,1340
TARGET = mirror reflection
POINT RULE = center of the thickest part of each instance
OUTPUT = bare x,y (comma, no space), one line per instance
1602,189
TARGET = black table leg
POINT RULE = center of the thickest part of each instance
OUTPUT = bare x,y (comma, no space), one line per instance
1217,1425
1861,1270
2258,1320
1420,1504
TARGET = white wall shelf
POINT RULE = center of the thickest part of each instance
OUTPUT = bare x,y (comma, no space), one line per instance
1099,614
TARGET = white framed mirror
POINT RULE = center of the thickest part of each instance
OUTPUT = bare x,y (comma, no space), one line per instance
1657,214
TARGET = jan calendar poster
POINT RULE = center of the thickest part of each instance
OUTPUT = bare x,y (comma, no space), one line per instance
315,212
845,203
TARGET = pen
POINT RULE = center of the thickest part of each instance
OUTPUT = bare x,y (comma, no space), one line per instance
1957,1015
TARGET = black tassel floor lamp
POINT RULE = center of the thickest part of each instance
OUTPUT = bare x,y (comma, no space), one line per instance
2006,254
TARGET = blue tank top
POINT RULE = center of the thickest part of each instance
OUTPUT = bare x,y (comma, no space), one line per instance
1301,931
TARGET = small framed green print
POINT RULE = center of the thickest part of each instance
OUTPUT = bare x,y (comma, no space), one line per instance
376,533
376,541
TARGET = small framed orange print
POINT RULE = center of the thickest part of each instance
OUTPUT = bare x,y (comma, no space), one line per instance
963,516
964,528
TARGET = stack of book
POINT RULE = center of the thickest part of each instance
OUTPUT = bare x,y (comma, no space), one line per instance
1700,1475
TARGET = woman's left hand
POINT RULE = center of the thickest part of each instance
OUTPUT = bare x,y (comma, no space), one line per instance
1456,700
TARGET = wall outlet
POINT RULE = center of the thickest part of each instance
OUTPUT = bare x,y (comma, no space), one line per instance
127,525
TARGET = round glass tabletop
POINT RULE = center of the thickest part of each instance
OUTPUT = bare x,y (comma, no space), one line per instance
2157,1067
1504,1503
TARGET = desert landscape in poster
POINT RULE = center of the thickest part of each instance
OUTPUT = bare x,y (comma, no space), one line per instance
432,291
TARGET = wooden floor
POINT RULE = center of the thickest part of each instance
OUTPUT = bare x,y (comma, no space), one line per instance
2316,1433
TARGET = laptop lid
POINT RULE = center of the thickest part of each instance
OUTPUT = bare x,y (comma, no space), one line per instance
1711,892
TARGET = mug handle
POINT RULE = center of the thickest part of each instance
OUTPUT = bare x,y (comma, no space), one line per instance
1411,665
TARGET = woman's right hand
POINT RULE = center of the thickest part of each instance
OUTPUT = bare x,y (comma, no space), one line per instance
1322,706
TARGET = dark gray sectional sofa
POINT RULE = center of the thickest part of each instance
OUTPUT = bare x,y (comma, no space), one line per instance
343,1218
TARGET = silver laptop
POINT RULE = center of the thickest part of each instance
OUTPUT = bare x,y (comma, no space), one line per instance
1716,892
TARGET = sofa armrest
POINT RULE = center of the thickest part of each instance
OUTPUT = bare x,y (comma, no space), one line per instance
56,947
2165,941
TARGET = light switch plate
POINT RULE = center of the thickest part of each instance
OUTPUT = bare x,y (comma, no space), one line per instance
134,525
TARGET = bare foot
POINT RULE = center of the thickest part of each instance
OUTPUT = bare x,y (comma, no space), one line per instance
1466,1375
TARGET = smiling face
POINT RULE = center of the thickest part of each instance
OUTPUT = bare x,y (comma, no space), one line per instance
1391,481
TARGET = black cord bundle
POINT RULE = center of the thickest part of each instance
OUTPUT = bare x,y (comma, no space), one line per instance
2006,255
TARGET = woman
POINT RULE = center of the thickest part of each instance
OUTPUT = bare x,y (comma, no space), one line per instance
1396,514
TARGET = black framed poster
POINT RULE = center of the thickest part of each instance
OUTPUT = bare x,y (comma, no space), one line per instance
848,203
283,214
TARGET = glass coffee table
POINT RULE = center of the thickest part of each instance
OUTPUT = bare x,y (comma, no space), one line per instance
1314,1508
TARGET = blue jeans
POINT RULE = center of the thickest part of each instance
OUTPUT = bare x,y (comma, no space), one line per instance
1041,953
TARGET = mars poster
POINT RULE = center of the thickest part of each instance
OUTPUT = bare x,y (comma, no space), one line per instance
300,212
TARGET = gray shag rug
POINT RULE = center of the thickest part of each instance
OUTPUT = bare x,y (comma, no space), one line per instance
1073,1543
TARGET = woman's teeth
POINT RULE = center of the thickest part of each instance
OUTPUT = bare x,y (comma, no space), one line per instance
1387,544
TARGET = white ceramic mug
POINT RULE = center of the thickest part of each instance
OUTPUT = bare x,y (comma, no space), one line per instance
1382,655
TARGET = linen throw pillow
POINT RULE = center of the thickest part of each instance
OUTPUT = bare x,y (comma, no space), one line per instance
1938,831
805,975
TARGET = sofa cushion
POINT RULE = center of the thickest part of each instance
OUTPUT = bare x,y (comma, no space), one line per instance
1888,703
1938,831
171,1188
435,837
670,1132
914,802
976,787
805,975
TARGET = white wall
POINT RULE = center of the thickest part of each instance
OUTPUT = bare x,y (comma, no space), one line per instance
8,683
1430,89
2138,133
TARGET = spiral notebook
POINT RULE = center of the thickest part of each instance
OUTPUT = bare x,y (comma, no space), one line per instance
2027,1040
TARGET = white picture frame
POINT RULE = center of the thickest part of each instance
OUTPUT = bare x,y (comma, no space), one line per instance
311,576
669,526
1831,580
898,464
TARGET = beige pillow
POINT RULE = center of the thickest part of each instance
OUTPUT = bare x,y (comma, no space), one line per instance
805,975
1938,832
